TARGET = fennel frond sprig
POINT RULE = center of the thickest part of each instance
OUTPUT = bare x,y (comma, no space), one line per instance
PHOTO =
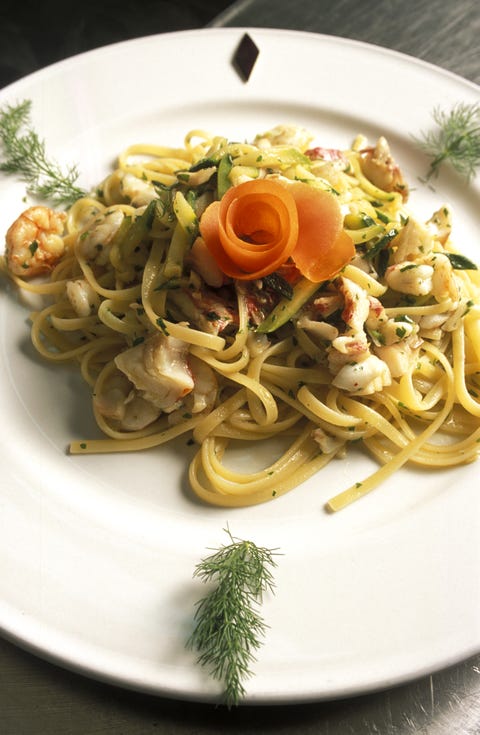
456,139
24,155
228,626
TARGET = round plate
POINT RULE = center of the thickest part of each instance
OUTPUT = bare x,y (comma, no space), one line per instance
97,553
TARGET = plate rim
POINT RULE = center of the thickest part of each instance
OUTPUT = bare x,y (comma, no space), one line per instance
232,32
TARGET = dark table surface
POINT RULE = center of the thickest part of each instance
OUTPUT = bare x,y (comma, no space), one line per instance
39,697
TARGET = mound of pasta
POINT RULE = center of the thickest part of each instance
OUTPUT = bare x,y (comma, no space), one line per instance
238,292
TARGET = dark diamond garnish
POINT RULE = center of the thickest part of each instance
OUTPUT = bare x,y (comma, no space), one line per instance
245,57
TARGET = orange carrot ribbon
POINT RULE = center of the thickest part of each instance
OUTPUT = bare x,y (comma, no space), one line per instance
258,225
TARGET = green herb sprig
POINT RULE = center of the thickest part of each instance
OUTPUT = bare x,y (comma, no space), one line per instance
455,139
24,154
228,626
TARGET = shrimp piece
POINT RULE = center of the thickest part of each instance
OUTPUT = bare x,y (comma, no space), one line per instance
392,332
363,378
95,239
34,242
444,283
412,242
137,191
386,332
82,297
124,187
411,278
399,357
159,370
379,167
347,350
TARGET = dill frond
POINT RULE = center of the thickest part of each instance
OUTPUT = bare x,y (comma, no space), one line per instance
456,139
24,154
228,626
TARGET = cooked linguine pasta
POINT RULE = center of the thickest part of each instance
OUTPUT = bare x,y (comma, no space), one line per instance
238,292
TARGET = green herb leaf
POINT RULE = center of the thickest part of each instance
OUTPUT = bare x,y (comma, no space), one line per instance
456,139
228,627
460,262
24,154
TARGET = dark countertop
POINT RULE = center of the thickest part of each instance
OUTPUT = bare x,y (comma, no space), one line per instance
437,31
37,697
33,35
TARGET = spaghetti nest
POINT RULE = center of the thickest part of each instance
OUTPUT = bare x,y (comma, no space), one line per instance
239,292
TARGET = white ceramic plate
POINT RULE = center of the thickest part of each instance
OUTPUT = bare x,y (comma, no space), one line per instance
97,553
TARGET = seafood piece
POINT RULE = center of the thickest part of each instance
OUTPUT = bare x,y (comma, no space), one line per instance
138,191
432,322
412,242
202,261
159,370
456,315
123,186
83,298
328,444
259,301
385,331
352,346
95,239
330,164
322,330
444,283
205,387
409,277
157,380
379,167
399,357
324,305
196,178
204,309
347,350
327,154
122,404
285,135
356,304
34,243
364,377
139,413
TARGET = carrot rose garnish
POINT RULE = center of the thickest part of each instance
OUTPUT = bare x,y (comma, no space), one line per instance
258,225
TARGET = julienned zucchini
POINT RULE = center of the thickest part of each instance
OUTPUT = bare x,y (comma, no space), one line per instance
132,230
223,172
287,308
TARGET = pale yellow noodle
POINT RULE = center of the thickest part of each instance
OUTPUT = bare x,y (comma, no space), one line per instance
273,387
